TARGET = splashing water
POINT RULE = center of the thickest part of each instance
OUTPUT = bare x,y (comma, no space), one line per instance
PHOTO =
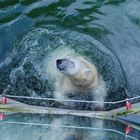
26,72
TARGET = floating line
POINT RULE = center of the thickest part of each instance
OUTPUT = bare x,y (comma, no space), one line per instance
70,100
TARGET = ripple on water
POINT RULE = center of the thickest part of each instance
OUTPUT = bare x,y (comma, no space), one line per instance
8,3
133,12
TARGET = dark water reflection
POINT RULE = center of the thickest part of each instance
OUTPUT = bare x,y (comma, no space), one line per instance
34,126
111,28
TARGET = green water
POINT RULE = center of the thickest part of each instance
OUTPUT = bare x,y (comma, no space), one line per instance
106,31
52,127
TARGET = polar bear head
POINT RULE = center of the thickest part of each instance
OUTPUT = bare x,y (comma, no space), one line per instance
67,66
79,71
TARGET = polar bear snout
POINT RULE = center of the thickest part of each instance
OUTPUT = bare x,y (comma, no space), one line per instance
64,65
59,61
61,64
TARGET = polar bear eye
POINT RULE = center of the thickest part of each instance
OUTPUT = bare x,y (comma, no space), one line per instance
87,72
72,64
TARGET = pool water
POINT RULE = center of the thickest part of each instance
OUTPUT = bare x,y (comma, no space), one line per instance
105,31
21,126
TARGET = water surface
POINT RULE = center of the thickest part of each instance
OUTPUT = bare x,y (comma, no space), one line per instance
51,127
106,31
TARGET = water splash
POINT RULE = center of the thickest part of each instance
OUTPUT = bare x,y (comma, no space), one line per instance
26,70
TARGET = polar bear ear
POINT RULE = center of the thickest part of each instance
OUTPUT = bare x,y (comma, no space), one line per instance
87,72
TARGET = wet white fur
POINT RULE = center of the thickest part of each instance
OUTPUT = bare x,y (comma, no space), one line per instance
56,76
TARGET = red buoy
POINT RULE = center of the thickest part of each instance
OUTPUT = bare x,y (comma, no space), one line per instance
128,105
4,100
2,116
128,130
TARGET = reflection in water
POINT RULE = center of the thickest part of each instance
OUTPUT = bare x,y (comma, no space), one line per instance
42,127
75,134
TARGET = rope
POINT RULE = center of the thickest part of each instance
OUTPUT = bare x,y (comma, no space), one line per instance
66,126
70,100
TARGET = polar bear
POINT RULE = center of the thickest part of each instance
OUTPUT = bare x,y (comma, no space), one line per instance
72,72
